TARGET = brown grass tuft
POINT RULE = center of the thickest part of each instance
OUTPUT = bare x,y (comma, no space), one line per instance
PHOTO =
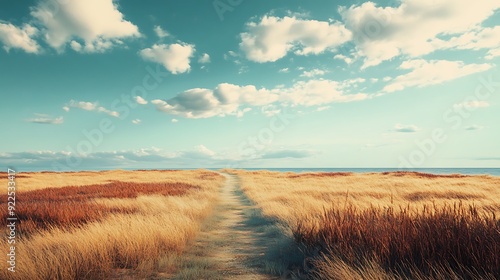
386,225
72,206
454,237
124,223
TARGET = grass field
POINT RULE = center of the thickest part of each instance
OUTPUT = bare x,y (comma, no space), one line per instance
386,226
96,225
140,224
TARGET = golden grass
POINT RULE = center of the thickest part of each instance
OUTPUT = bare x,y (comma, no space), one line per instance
388,225
290,196
72,206
157,213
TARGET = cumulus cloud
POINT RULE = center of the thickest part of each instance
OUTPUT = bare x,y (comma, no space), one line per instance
205,58
160,32
45,119
230,99
87,25
273,38
344,58
175,120
89,106
492,54
223,100
136,121
13,37
406,128
479,38
175,58
415,27
140,100
424,73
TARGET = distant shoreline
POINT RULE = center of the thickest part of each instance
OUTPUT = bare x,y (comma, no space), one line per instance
436,171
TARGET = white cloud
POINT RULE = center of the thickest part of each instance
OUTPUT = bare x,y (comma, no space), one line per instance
273,38
204,150
223,100
270,110
144,158
136,121
175,58
140,100
479,38
406,128
175,120
88,25
89,106
313,73
205,58
472,104
319,92
227,99
492,54
19,38
45,119
344,58
284,70
160,32
424,73
414,27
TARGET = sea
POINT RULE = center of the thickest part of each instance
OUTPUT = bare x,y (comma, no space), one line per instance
464,171
440,171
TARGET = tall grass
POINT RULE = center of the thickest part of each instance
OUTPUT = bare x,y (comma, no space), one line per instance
393,225
72,206
157,214
458,240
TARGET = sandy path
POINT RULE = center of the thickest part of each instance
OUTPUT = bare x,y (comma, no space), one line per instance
233,244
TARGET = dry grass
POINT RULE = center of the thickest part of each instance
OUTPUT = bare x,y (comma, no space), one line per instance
72,206
457,239
135,221
386,226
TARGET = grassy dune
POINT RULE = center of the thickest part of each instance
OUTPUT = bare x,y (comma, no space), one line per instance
386,226
95,225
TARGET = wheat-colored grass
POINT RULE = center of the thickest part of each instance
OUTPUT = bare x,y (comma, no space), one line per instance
386,225
134,242
290,196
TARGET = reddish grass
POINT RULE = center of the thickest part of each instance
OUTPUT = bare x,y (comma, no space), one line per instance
320,174
422,175
74,205
453,239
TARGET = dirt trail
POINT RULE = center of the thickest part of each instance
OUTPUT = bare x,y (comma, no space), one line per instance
234,244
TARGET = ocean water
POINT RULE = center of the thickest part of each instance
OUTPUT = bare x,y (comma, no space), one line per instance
465,171
446,171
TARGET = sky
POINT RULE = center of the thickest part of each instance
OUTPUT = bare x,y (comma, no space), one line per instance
103,84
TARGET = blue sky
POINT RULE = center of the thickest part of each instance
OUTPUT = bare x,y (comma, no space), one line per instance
164,84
